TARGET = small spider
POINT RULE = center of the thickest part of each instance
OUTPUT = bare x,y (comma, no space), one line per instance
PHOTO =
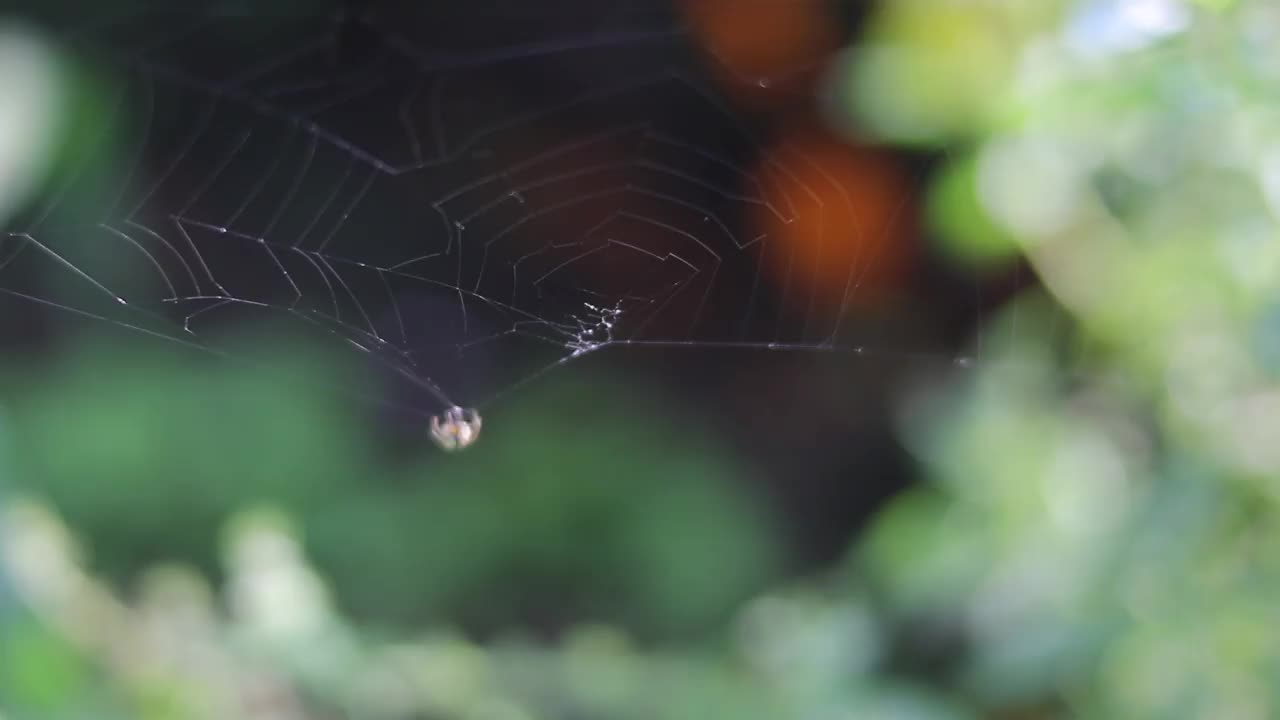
456,430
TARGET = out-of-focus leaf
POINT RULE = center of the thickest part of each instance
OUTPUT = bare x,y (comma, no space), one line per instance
965,231
150,455
36,94
40,673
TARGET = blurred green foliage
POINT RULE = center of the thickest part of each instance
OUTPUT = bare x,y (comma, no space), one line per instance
544,526
1100,498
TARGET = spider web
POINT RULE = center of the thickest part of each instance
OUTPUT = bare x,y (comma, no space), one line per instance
471,198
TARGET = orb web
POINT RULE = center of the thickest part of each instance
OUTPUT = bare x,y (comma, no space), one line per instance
471,197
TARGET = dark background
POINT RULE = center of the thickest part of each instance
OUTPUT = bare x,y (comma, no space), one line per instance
812,417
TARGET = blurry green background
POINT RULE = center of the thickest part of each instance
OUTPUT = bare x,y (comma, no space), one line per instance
1092,533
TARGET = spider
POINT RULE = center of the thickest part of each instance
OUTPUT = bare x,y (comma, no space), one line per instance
456,430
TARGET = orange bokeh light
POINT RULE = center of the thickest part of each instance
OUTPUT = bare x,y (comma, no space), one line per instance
764,49
849,222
